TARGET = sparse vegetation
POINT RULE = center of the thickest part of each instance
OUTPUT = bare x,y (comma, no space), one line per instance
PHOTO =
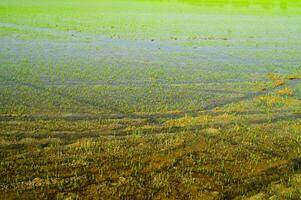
150,100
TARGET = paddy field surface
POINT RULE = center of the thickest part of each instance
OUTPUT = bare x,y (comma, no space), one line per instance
150,99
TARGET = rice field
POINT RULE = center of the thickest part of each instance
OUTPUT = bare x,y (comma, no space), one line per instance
137,99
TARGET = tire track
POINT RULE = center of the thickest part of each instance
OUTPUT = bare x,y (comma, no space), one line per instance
150,117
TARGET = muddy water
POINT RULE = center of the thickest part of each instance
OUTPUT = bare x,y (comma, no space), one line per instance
97,48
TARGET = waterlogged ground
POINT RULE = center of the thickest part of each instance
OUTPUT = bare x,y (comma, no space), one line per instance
150,100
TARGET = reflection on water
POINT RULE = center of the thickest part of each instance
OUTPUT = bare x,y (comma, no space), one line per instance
266,4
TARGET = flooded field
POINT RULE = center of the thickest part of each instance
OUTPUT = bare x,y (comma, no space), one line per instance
150,99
